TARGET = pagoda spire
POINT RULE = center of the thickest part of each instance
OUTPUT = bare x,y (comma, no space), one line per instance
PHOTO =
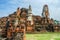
45,12
30,15
30,9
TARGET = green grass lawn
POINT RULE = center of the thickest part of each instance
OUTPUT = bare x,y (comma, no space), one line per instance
43,36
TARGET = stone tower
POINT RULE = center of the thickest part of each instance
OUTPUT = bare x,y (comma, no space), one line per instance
45,14
30,18
17,16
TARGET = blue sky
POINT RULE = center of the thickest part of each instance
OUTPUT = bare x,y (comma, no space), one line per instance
9,6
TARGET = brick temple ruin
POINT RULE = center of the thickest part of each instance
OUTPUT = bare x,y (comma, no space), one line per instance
23,21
